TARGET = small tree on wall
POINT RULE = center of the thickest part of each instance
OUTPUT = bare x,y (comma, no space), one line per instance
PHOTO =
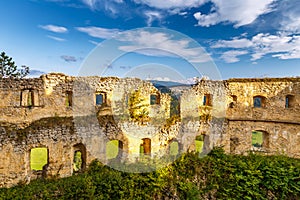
137,107
9,69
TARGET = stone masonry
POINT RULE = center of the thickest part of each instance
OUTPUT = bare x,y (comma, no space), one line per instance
67,114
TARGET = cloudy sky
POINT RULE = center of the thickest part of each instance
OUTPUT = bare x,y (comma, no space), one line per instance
244,38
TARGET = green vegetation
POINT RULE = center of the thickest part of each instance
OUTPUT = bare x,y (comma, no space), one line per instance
112,149
38,158
257,138
141,150
174,148
77,164
138,108
174,106
8,68
205,113
199,143
216,176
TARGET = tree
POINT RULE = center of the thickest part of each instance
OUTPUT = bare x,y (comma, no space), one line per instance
9,69
138,108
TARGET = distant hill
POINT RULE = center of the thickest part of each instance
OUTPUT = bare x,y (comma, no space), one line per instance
35,73
168,86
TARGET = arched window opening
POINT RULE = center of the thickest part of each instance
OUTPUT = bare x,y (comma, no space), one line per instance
199,143
154,99
260,139
233,102
175,106
79,157
174,148
77,161
289,101
207,100
114,149
69,101
127,100
38,158
28,98
100,98
259,102
145,147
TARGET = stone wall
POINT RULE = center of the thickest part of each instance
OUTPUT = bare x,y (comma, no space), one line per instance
67,114
278,116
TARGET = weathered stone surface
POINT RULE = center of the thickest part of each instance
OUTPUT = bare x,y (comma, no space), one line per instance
60,113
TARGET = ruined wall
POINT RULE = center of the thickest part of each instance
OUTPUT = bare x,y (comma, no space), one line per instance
59,137
26,100
274,91
280,138
61,113
278,116
204,104
67,114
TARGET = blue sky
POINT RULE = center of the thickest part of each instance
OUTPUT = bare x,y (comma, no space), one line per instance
249,38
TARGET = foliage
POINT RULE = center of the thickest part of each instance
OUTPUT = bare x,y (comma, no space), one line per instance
112,149
205,113
174,106
198,146
172,120
77,162
38,158
138,109
216,176
9,69
257,138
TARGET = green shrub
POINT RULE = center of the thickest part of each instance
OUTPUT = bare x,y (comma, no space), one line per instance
217,176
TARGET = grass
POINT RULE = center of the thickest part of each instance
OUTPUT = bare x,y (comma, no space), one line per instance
174,149
112,149
199,145
38,158
257,138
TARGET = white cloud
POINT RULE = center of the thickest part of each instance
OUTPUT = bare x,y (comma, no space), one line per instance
99,32
290,55
187,81
90,3
161,44
148,43
68,58
234,11
290,15
232,56
182,13
235,43
54,28
281,46
56,38
152,16
207,20
158,4
159,79
107,4
172,4
293,25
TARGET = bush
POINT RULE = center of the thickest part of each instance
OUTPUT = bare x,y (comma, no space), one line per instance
217,176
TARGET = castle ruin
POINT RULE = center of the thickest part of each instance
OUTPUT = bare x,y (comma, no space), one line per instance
70,116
